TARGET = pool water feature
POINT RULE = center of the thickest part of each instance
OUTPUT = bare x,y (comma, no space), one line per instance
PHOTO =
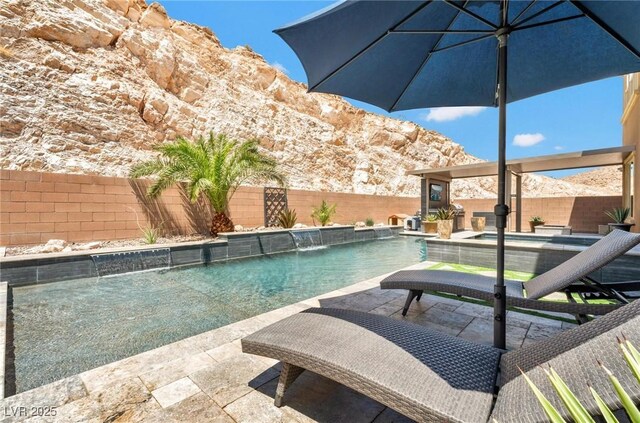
308,239
110,264
64,328
383,233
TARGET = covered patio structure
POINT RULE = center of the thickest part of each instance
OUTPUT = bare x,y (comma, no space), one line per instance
435,192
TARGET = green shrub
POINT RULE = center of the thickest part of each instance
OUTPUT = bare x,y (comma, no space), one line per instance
536,219
369,221
619,214
287,218
445,214
150,234
323,213
430,218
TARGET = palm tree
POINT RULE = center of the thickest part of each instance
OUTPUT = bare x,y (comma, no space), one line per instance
212,167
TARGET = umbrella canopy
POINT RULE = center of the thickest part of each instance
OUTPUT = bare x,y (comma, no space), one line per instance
412,54
402,55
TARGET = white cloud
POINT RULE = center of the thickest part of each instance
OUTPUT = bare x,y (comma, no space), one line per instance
558,148
528,140
445,114
280,67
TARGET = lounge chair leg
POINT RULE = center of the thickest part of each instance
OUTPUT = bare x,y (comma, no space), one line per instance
419,296
288,374
412,294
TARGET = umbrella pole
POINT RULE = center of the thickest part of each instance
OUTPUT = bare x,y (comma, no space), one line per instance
501,209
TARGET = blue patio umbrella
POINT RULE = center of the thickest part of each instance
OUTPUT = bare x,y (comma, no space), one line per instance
401,55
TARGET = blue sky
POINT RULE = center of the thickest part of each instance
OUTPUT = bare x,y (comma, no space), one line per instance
577,118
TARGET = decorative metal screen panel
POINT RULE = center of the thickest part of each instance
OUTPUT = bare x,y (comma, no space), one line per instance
275,201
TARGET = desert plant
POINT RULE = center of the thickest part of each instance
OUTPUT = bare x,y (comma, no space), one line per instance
430,218
536,219
323,213
212,167
287,218
445,213
577,411
619,214
369,221
150,234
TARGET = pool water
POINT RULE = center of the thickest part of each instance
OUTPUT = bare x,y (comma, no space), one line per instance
64,328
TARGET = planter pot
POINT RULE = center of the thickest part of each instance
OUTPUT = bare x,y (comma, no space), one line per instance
478,223
430,227
622,226
533,225
445,227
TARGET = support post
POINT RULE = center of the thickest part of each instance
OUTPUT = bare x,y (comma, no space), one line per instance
424,197
518,203
501,209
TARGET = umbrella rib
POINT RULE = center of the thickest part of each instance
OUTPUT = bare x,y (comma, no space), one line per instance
364,50
469,13
541,12
424,63
442,31
535,25
525,10
606,28
462,43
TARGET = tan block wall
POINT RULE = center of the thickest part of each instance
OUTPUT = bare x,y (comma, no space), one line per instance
583,214
36,207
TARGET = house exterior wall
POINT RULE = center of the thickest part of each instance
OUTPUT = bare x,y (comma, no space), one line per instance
631,133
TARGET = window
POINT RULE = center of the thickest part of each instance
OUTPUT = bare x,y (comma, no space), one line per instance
435,192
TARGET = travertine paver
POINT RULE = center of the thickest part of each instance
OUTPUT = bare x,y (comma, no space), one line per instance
207,378
175,370
175,392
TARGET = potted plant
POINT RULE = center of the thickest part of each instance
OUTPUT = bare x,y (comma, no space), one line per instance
619,216
535,221
478,224
445,222
430,224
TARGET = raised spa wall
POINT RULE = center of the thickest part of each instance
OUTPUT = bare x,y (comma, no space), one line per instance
530,257
43,268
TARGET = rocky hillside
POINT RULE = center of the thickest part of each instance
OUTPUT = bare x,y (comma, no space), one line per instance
89,86
606,178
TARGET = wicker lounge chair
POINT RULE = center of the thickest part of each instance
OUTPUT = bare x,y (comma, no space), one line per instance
430,376
572,276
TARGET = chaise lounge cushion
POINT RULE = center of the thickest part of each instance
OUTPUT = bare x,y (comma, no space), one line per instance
424,374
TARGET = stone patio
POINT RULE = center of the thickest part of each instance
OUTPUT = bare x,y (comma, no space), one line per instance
207,377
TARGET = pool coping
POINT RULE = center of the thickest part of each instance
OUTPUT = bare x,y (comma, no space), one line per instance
222,239
544,245
32,269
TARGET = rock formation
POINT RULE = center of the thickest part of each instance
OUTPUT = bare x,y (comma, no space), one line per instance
90,86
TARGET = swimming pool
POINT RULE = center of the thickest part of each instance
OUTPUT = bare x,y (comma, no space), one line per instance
64,328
